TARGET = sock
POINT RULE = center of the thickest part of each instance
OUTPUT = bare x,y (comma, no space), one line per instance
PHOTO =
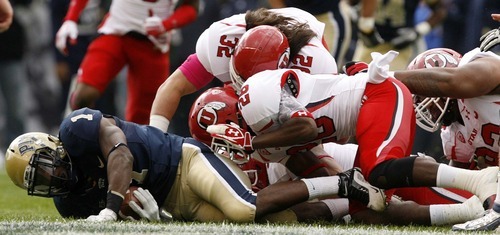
446,176
453,177
339,207
322,186
455,213
479,182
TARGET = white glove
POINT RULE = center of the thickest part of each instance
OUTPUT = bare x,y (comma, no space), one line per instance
68,29
153,25
161,42
150,207
378,69
233,135
104,216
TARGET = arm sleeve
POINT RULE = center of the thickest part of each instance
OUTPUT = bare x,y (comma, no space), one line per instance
182,16
195,72
75,9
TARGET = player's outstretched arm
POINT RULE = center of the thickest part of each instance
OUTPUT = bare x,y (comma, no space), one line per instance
477,78
167,99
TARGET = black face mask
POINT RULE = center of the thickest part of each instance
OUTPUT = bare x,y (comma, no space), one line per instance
48,174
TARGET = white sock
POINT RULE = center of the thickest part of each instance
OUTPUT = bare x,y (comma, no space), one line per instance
473,181
455,213
453,177
322,186
339,207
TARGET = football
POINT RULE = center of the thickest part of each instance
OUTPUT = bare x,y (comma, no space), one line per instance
125,209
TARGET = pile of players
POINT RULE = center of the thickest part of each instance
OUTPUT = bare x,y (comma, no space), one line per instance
273,144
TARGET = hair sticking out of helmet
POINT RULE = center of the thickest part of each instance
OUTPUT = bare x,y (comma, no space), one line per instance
218,105
261,48
430,111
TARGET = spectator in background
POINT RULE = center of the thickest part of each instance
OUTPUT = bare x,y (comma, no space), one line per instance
466,22
6,15
134,33
13,77
390,26
336,16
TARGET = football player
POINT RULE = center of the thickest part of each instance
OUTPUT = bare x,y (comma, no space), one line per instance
466,109
289,111
214,49
219,105
103,155
133,33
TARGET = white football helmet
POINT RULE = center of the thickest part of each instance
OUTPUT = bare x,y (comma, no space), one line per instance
37,162
431,110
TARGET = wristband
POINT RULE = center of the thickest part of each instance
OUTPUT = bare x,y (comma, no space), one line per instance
115,147
423,28
114,201
159,122
366,24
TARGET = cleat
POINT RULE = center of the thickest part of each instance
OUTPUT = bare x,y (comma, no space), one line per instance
354,186
489,221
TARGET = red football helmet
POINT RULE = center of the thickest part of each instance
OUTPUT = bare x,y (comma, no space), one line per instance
218,105
261,48
431,110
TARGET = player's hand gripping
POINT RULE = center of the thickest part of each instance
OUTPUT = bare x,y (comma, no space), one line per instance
149,209
69,29
490,39
233,135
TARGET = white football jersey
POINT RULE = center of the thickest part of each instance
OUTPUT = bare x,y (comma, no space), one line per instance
129,15
216,44
333,100
480,134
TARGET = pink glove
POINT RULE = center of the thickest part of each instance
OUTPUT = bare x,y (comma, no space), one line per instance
68,29
233,135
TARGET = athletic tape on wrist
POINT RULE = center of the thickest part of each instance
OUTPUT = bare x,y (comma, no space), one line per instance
159,122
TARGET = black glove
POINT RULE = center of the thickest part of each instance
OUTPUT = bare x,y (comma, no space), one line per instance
370,39
490,39
354,67
406,36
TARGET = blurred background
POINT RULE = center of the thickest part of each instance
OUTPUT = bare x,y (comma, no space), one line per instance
35,77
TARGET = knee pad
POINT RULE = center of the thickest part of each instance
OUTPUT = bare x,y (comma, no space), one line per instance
394,173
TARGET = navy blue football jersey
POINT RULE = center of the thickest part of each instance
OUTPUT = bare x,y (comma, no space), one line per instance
156,158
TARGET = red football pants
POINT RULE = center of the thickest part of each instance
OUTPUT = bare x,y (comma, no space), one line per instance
147,68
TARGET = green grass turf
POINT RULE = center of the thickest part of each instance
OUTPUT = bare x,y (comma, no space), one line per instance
23,214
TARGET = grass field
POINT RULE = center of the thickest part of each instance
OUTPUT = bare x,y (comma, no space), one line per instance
22,214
